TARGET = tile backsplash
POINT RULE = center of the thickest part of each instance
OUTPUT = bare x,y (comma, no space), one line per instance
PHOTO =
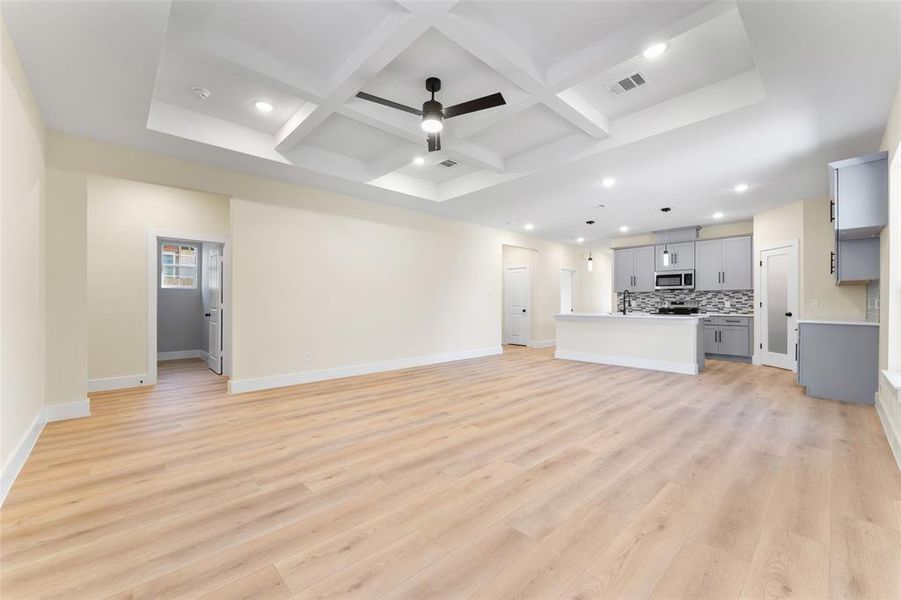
740,301
873,300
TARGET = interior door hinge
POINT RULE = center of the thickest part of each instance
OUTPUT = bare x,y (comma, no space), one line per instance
761,345
761,263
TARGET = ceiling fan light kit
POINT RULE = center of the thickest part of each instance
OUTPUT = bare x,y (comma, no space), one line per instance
433,112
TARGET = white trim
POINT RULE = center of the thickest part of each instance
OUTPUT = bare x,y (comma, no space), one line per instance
205,356
889,390
237,386
179,354
153,237
23,450
102,384
629,361
68,410
542,343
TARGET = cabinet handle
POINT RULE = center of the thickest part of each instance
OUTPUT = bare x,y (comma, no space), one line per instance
832,211
832,263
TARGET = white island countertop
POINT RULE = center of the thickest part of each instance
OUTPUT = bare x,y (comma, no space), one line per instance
821,322
631,316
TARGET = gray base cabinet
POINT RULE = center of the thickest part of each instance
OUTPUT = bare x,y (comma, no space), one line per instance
839,361
728,336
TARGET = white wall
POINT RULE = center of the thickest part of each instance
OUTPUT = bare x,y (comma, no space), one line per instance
22,266
119,215
351,282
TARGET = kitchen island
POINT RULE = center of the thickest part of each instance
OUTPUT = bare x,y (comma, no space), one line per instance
671,343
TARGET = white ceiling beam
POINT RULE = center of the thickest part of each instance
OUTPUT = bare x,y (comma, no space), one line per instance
392,161
492,47
385,43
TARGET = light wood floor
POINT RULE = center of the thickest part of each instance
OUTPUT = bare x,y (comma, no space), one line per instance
516,476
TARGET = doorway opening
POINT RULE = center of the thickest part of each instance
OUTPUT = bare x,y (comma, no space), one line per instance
566,290
777,285
188,316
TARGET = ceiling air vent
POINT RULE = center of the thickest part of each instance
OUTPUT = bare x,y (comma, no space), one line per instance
448,163
633,81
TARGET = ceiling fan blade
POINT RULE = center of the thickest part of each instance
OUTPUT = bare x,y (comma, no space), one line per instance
389,103
434,142
474,105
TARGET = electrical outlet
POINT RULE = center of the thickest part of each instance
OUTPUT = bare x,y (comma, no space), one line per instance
814,303
307,357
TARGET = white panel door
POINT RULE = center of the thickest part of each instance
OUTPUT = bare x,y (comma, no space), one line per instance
516,285
566,291
778,273
215,278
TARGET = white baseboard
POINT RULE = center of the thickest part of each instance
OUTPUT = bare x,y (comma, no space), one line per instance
68,410
178,354
628,361
116,383
15,462
237,386
542,343
205,355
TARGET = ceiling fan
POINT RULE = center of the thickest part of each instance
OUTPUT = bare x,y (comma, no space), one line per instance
433,113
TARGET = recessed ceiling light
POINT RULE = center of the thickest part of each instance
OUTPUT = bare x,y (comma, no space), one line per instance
529,226
717,215
200,92
741,187
580,239
262,106
608,182
419,161
654,50
624,229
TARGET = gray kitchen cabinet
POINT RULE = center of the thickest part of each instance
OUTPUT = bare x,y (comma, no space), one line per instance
735,341
709,265
723,264
728,336
859,189
633,269
856,260
839,361
622,269
682,256
643,269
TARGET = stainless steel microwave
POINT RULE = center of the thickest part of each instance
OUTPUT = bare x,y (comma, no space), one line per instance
674,280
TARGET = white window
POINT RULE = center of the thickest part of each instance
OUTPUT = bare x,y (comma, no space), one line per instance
178,266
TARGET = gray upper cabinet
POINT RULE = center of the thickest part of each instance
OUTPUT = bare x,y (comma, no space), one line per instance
633,269
856,260
709,265
723,264
860,195
682,256
622,269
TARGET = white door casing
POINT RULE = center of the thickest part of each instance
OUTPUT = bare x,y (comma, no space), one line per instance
517,311
777,305
215,276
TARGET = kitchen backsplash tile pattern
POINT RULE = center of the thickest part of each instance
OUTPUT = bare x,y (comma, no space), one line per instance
873,300
740,301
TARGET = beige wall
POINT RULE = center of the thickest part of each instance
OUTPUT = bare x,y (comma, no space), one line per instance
808,223
119,215
348,281
890,249
67,287
22,258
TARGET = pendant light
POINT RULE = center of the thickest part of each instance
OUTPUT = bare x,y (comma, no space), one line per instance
590,261
666,256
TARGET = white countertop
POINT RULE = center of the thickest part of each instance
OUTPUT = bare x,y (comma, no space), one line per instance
634,316
746,315
819,322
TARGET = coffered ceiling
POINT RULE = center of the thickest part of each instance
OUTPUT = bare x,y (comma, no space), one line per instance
757,92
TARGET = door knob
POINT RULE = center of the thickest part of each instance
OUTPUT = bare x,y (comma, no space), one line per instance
523,310
207,315
788,314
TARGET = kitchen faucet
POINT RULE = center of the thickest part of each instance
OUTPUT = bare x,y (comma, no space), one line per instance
626,300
